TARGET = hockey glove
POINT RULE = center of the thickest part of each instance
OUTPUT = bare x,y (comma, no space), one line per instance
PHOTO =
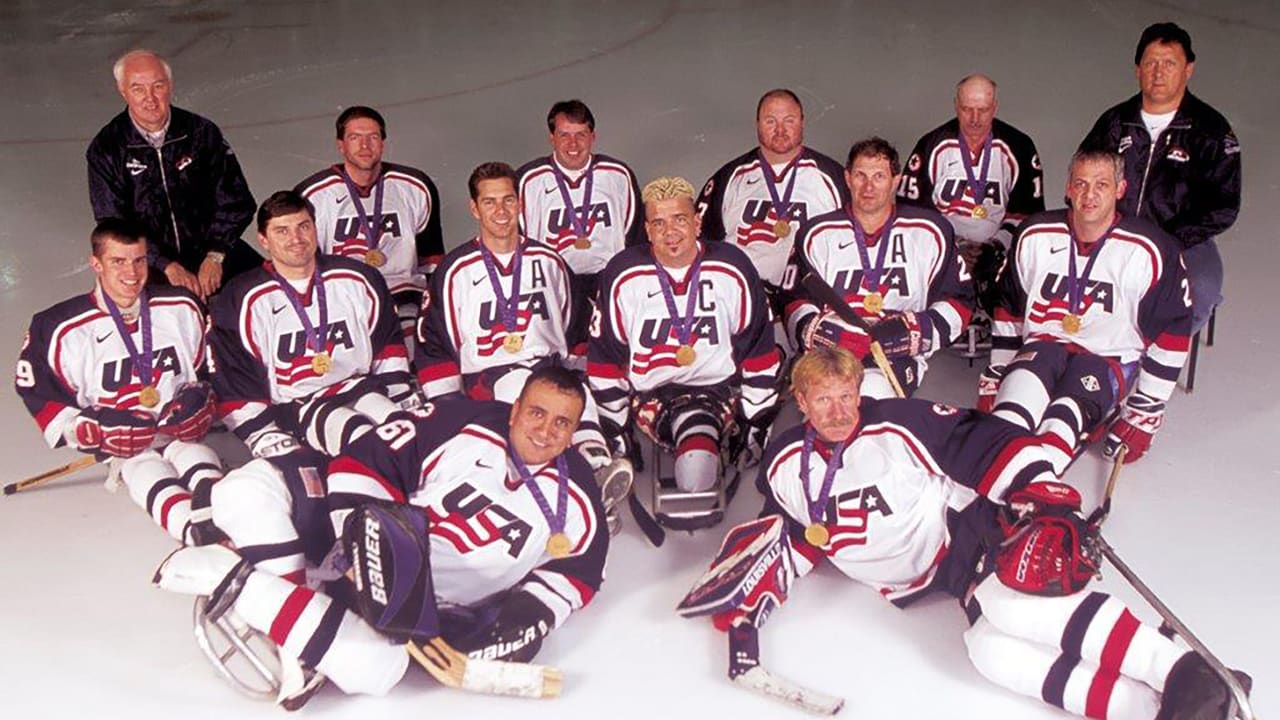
827,329
515,634
904,334
1048,547
988,386
190,414
1137,426
120,433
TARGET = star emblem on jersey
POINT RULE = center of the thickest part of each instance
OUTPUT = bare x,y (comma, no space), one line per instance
1090,383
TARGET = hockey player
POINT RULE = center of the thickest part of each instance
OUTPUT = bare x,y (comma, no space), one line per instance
384,214
306,346
1093,304
758,201
119,372
500,306
467,520
585,205
683,328
1181,159
896,266
903,495
981,173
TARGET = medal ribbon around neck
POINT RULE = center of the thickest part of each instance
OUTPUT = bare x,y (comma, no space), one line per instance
871,273
816,506
315,334
1076,283
977,185
367,224
781,205
556,518
682,324
508,307
578,221
142,361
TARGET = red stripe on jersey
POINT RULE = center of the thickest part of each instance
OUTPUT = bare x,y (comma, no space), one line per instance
347,464
392,350
48,413
585,592
809,552
168,505
1173,343
438,371
1056,442
1003,315
297,577
782,457
322,185
605,370
289,613
410,180
1113,653
962,310
762,362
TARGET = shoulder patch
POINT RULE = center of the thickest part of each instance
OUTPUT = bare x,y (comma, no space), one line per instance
914,163
1230,145
943,410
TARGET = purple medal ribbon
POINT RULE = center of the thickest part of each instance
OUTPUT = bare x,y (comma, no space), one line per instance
977,185
508,307
315,334
816,506
1076,283
367,224
682,324
141,360
577,216
871,273
781,205
555,519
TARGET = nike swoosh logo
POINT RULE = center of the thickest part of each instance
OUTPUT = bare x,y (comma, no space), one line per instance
551,190
342,199
476,283
842,246
103,338
278,310
753,181
1055,251
655,293
482,464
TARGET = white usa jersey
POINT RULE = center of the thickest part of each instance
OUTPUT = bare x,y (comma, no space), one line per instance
461,329
736,207
612,219
409,238
73,357
487,532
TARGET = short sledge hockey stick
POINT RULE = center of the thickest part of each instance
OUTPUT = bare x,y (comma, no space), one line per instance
745,671
492,677
44,477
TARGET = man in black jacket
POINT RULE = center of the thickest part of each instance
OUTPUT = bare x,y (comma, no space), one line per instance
1182,161
171,172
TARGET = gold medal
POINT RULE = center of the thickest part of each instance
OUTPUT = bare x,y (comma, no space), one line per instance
685,355
781,229
513,343
873,302
558,545
375,258
1071,323
980,212
582,243
149,396
817,535
321,363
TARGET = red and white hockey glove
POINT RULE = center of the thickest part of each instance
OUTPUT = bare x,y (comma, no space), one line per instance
904,334
1049,547
1137,426
120,433
190,414
988,386
827,329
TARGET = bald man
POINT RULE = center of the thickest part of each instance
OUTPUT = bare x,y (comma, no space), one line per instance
171,173
981,173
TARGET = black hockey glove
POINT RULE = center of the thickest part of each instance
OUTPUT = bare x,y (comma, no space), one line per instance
513,633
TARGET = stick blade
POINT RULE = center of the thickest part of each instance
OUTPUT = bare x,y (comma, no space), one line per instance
763,682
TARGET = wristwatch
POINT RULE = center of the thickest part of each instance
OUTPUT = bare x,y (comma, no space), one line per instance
216,256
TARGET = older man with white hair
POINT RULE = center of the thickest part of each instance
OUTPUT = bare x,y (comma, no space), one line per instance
173,174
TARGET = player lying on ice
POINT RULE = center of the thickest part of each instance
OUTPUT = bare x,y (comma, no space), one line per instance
906,496
464,520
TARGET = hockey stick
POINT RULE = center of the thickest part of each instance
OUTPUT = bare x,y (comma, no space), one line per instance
829,297
1243,709
44,477
493,677
745,671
